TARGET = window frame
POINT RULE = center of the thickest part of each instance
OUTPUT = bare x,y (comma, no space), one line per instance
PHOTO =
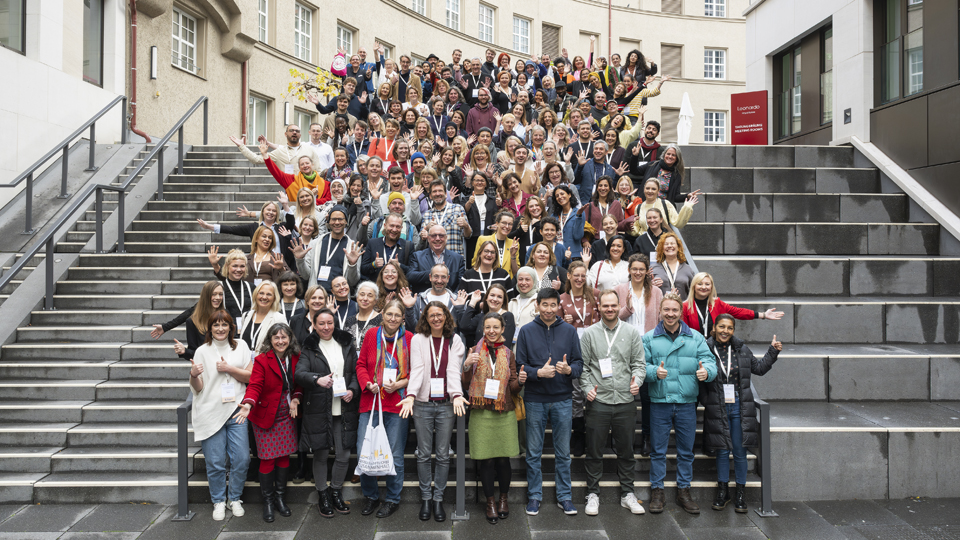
452,15
826,77
717,127
298,113
344,30
23,30
719,7
252,100
493,18
301,38
423,7
182,14
894,60
517,37
722,53
99,81
263,21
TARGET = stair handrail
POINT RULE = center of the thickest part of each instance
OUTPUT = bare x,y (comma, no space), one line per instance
64,147
766,480
47,239
183,506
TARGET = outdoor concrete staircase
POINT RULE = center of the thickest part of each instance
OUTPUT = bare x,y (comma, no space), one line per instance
88,398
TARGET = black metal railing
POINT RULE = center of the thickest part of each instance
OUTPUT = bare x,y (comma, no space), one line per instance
459,512
81,199
766,483
64,148
183,463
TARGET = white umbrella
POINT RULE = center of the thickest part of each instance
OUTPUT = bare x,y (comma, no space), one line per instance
685,125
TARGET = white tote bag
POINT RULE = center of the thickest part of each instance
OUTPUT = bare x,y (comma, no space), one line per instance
375,457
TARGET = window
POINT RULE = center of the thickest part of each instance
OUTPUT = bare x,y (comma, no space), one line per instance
345,39
302,119
669,118
715,8
93,41
12,24
714,127
453,14
672,6
551,40
420,6
913,49
901,48
796,90
486,23
521,35
256,118
714,63
262,19
788,102
826,77
387,51
184,41
302,23
671,60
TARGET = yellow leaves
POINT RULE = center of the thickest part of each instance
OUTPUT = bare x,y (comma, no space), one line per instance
323,84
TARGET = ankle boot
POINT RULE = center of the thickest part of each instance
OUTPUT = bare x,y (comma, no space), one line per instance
492,517
325,506
503,510
281,491
336,498
300,476
723,496
267,492
740,499
685,501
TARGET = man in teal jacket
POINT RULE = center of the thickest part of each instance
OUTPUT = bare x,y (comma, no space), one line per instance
677,358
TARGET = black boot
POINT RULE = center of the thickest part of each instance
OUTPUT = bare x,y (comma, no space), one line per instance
647,446
723,496
578,439
267,491
325,507
303,469
281,491
336,498
439,514
424,510
740,501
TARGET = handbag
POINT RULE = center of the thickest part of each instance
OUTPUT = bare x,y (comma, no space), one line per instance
518,407
376,458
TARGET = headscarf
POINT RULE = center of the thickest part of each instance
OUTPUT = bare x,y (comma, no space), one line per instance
536,286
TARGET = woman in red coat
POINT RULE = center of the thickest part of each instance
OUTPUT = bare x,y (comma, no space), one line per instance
271,402
702,306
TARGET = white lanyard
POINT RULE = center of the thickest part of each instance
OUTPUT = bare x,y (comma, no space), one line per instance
652,241
563,221
487,285
363,330
406,82
704,317
357,149
382,106
393,351
343,320
443,214
613,340
670,275
603,211
436,123
726,372
436,357
580,146
234,295
256,266
330,247
284,371
501,252
582,316
531,231
450,109
392,252
476,80
254,334
292,310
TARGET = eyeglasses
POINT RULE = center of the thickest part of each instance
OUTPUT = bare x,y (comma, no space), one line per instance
392,316
437,236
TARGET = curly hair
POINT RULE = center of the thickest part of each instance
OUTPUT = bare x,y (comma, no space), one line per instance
293,348
423,325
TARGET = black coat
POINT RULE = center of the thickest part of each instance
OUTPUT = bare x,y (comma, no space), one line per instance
317,408
368,268
651,169
716,426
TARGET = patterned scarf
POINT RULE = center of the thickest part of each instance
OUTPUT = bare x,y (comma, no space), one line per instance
398,360
482,372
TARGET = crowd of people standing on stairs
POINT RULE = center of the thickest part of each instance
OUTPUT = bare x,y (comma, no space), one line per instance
469,239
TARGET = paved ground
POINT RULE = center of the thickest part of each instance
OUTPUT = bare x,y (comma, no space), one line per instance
927,519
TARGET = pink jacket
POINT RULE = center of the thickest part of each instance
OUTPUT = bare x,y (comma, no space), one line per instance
420,360
651,315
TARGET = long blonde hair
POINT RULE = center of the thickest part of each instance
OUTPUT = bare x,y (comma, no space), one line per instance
691,296
300,214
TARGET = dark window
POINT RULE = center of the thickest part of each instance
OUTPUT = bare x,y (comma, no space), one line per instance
789,100
826,77
93,41
12,24
901,48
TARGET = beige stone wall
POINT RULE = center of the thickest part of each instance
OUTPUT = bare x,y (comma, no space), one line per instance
408,32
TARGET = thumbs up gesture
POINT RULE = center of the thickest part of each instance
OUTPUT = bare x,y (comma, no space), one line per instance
776,344
661,372
634,387
701,373
548,371
563,368
592,394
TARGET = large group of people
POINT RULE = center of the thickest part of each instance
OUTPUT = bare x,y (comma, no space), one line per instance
483,238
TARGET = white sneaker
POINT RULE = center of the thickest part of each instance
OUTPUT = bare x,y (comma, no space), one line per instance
236,508
219,511
630,501
593,504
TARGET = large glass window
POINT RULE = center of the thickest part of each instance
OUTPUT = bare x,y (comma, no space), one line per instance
12,23
303,22
302,119
890,52
789,100
826,77
714,63
715,8
521,35
901,48
913,49
256,119
92,41
184,41
486,24
345,39
420,6
453,14
715,127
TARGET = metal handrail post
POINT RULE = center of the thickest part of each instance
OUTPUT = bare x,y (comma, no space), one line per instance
28,217
63,179
93,147
98,220
459,512
180,150
48,295
160,175
205,103
123,122
121,197
183,504
766,497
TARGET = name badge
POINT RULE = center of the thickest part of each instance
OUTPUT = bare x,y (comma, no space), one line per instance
339,386
289,169
228,392
324,273
389,375
257,282
606,367
436,388
253,356
580,332
476,92
729,396
516,334
492,389
653,257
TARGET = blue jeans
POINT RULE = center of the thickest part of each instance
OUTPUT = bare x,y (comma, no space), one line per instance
682,417
739,452
560,415
396,428
434,424
229,445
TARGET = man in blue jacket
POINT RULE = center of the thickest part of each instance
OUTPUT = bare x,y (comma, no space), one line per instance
677,358
423,261
548,395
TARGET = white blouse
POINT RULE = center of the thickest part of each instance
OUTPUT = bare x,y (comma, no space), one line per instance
210,413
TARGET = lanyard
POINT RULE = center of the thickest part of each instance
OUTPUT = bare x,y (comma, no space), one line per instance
501,252
286,377
343,320
524,306
292,310
582,316
436,122
436,357
443,214
382,106
603,211
476,80
406,82
234,295
652,241
393,351
704,317
563,221
531,231
580,146
450,109
392,252
726,372
363,330
613,340
330,247
356,150
257,265
487,285
670,275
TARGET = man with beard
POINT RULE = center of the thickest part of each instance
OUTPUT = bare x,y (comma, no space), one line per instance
284,156
472,82
334,254
448,215
387,248
647,148
481,115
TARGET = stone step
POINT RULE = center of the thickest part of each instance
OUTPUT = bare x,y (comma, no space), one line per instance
252,200
137,410
54,369
34,433
65,389
172,287
184,247
92,333
87,351
189,225
27,459
42,411
125,434
221,188
108,459
782,180
153,260
143,389
802,207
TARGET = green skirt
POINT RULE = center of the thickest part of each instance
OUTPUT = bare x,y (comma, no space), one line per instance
493,434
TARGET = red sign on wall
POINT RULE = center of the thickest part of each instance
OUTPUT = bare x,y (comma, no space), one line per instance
749,117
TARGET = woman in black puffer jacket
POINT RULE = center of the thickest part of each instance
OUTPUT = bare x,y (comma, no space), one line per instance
730,413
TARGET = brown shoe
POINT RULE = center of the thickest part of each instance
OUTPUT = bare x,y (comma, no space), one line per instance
686,502
656,500
503,510
492,510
